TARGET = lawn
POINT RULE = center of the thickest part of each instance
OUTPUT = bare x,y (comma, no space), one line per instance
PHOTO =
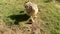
49,14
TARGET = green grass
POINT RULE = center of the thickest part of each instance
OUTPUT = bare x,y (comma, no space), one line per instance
49,13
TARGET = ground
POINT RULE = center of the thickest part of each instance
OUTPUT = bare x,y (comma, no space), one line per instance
13,17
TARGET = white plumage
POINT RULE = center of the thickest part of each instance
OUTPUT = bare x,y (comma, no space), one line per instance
31,9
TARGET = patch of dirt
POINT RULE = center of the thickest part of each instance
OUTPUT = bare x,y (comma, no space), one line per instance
4,29
14,29
22,28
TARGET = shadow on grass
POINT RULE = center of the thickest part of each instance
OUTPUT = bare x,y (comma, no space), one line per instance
19,18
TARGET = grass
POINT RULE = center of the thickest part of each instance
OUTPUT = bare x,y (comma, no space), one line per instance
49,13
